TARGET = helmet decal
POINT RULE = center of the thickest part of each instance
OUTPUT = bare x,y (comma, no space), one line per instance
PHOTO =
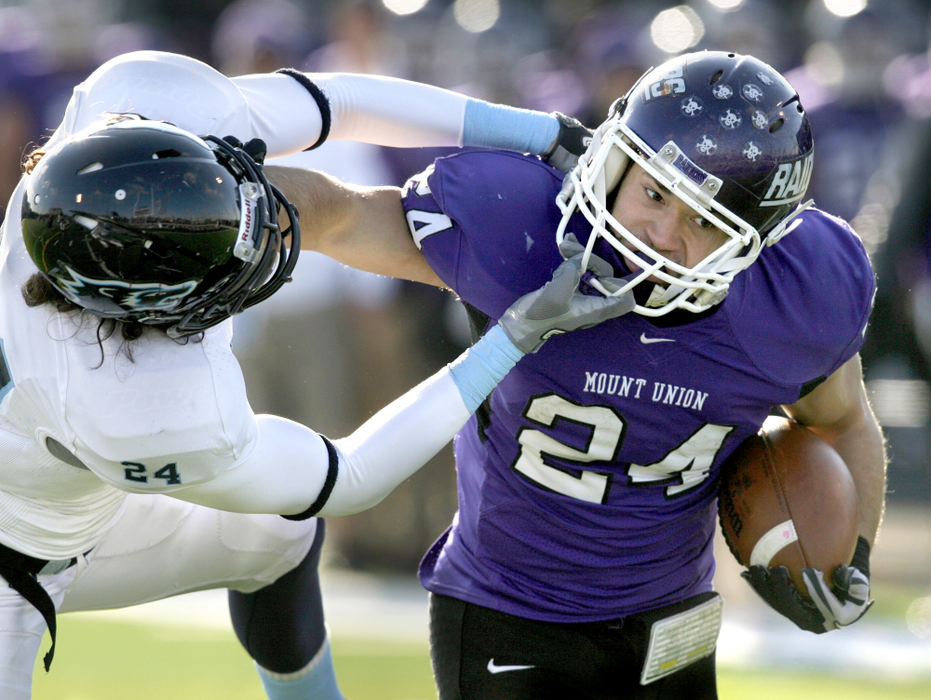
789,182
752,151
691,107
131,295
730,120
670,84
764,78
752,92
706,145
722,92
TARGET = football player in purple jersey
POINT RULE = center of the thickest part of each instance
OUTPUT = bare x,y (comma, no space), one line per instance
579,563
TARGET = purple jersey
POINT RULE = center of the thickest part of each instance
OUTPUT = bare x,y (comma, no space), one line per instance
587,481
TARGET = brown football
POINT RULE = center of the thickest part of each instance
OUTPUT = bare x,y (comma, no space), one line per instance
787,498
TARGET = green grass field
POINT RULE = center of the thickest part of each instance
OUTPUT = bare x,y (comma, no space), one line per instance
102,659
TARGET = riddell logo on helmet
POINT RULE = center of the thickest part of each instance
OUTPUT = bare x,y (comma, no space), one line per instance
246,247
789,183
248,217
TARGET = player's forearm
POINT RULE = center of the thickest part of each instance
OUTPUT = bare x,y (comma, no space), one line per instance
363,227
395,112
838,410
862,448
394,443
295,111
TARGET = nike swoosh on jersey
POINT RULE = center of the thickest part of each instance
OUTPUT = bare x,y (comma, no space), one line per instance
647,341
495,668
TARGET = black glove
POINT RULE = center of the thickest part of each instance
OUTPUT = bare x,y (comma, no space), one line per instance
571,142
256,148
774,585
845,602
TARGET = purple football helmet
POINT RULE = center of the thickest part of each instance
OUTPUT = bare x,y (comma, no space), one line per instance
726,134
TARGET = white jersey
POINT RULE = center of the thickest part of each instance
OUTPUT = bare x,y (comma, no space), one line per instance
129,421
82,424
174,415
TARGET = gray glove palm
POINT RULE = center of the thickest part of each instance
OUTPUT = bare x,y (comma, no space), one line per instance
558,307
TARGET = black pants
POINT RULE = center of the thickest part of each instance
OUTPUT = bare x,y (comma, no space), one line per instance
483,654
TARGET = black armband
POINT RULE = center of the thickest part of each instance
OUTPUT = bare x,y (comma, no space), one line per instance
861,556
328,484
323,104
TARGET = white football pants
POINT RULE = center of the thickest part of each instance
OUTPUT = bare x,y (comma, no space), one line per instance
157,547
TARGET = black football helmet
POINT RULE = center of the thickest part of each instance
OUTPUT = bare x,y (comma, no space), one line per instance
142,221
725,133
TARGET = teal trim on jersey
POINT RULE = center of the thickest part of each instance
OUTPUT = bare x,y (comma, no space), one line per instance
478,370
6,378
499,126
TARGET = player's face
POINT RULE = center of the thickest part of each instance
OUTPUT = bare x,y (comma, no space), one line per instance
663,221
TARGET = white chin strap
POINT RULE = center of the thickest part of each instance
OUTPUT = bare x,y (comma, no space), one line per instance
703,298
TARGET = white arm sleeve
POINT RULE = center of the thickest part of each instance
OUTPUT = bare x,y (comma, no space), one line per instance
292,472
369,108
396,442
395,112
288,468
390,111
287,111
276,107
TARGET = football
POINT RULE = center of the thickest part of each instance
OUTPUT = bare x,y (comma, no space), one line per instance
787,498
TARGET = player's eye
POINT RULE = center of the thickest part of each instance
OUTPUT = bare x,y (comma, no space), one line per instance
653,194
703,223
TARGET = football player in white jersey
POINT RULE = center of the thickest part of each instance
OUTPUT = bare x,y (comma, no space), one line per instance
131,464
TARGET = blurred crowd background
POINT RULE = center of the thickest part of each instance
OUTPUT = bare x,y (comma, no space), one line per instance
337,344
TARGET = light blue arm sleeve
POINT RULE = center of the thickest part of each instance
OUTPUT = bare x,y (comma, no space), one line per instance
499,126
478,371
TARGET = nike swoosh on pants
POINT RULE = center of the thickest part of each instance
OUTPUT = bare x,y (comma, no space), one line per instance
495,668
